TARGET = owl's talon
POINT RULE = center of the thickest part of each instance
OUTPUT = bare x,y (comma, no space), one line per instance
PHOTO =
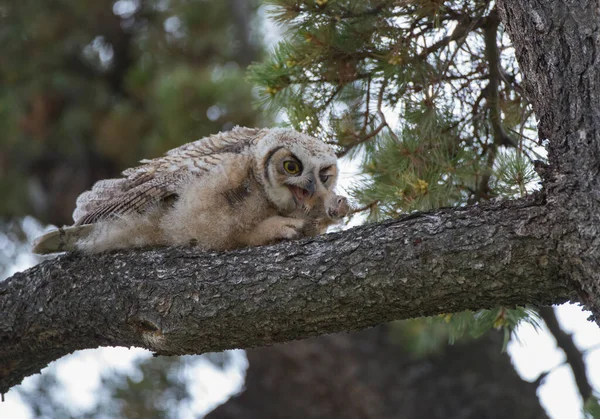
294,231
289,233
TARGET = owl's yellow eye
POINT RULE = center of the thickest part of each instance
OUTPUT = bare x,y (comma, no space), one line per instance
292,167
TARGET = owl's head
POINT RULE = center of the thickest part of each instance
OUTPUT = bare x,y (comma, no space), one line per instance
296,170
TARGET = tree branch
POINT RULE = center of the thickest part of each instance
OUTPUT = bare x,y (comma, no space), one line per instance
182,301
574,357
492,54
463,28
501,138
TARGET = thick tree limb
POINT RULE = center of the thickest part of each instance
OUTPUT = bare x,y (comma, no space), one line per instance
181,301
557,45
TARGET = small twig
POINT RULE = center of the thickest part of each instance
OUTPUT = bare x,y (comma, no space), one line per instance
459,43
461,30
361,140
509,79
380,111
540,379
524,117
383,124
337,90
348,14
369,206
574,356
367,103
490,30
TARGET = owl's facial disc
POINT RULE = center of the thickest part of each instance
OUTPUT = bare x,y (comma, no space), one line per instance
296,170
298,178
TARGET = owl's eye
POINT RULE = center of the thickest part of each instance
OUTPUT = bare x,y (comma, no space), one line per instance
292,167
325,174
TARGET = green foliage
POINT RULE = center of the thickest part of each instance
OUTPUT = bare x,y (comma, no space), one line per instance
476,324
358,73
513,174
421,336
409,89
430,335
158,389
426,169
591,408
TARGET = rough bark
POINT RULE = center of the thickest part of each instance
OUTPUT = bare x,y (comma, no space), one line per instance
181,301
366,375
557,44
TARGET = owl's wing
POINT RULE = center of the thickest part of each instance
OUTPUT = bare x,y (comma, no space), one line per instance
158,180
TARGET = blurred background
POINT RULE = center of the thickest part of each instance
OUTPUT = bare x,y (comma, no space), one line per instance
424,105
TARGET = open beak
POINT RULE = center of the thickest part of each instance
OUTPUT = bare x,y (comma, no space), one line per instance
300,194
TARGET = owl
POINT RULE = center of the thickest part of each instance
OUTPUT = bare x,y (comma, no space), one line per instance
244,187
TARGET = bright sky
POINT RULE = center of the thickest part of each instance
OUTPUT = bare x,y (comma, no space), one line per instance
537,353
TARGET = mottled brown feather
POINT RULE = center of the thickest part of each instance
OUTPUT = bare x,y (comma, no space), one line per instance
145,186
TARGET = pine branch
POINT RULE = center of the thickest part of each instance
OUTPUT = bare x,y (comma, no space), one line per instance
490,31
382,124
464,27
369,207
501,138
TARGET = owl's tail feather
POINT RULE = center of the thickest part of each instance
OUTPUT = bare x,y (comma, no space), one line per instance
61,240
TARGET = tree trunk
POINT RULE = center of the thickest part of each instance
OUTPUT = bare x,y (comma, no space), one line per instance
365,375
557,45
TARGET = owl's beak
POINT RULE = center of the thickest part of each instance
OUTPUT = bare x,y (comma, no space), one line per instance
310,185
305,192
299,194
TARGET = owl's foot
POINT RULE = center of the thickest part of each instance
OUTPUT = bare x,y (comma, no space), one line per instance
274,229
